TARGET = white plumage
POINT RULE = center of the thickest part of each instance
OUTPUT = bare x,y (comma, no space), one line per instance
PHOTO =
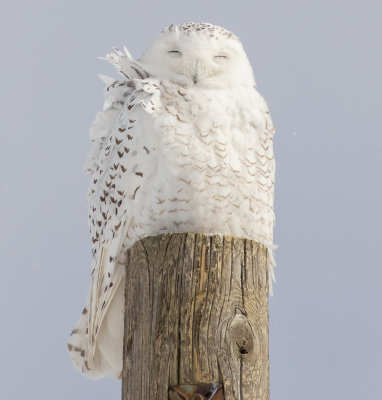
184,144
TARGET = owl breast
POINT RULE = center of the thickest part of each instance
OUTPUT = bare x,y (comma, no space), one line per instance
208,169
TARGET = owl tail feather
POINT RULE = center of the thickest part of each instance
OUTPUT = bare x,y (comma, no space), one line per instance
103,356
92,367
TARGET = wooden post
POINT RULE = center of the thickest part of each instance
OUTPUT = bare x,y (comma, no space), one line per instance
196,311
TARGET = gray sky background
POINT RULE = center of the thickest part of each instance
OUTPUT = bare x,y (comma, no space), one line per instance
318,64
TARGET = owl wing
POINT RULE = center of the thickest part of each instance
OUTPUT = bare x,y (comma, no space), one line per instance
116,178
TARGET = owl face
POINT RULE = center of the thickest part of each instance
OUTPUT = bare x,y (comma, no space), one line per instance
204,57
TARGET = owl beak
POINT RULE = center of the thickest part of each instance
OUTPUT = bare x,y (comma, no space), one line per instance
195,79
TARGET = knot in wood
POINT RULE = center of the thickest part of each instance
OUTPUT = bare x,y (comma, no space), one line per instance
241,334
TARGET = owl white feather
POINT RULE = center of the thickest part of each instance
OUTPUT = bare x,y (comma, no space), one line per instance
183,144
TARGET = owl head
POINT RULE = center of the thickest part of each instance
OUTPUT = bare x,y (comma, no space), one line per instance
200,54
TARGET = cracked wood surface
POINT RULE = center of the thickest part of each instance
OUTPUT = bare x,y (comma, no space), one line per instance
196,311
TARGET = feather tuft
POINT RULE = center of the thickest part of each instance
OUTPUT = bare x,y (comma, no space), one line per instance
107,80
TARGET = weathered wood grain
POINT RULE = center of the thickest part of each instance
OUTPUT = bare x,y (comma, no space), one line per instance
196,311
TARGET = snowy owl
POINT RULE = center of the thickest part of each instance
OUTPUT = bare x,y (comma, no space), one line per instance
184,144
